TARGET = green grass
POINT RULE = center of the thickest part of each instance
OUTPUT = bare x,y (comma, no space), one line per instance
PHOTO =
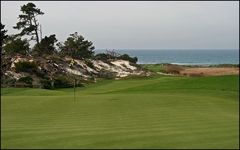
154,67
156,112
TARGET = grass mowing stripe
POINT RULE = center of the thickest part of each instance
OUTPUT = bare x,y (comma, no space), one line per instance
135,115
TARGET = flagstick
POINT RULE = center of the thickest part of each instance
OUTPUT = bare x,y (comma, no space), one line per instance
74,90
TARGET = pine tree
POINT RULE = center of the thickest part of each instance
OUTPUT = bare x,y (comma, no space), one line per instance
3,35
28,23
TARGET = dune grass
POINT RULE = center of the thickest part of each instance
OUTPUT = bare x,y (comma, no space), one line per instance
156,112
154,67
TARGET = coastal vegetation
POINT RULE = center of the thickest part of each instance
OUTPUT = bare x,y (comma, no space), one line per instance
49,62
63,95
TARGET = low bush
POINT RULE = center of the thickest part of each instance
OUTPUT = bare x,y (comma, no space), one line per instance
174,69
16,45
104,57
41,73
26,66
27,80
127,57
46,83
106,74
62,82
89,63
7,81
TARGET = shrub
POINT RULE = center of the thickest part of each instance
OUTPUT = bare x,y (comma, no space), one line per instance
127,57
46,46
41,73
7,81
46,84
89,63
104,57
175,69
27,80
106,74
58,82
16,45
79,83
26,66
62,82
77,47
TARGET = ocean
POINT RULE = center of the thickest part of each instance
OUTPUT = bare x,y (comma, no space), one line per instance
182,57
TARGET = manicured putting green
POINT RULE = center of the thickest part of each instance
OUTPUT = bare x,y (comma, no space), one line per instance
156,112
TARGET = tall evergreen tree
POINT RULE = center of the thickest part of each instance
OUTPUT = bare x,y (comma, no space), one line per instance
16,45
46,46
3,34
77,47
28,23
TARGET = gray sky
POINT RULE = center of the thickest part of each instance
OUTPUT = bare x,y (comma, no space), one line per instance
138,25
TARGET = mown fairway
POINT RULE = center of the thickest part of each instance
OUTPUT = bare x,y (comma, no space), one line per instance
158,112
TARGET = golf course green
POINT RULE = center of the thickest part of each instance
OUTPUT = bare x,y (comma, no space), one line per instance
151,112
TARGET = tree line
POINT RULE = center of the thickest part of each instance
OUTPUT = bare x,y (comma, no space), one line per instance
28,26
75,46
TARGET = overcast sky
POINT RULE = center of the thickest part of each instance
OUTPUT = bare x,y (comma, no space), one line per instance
138,25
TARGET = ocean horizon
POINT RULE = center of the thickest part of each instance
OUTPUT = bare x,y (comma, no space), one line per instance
182,56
